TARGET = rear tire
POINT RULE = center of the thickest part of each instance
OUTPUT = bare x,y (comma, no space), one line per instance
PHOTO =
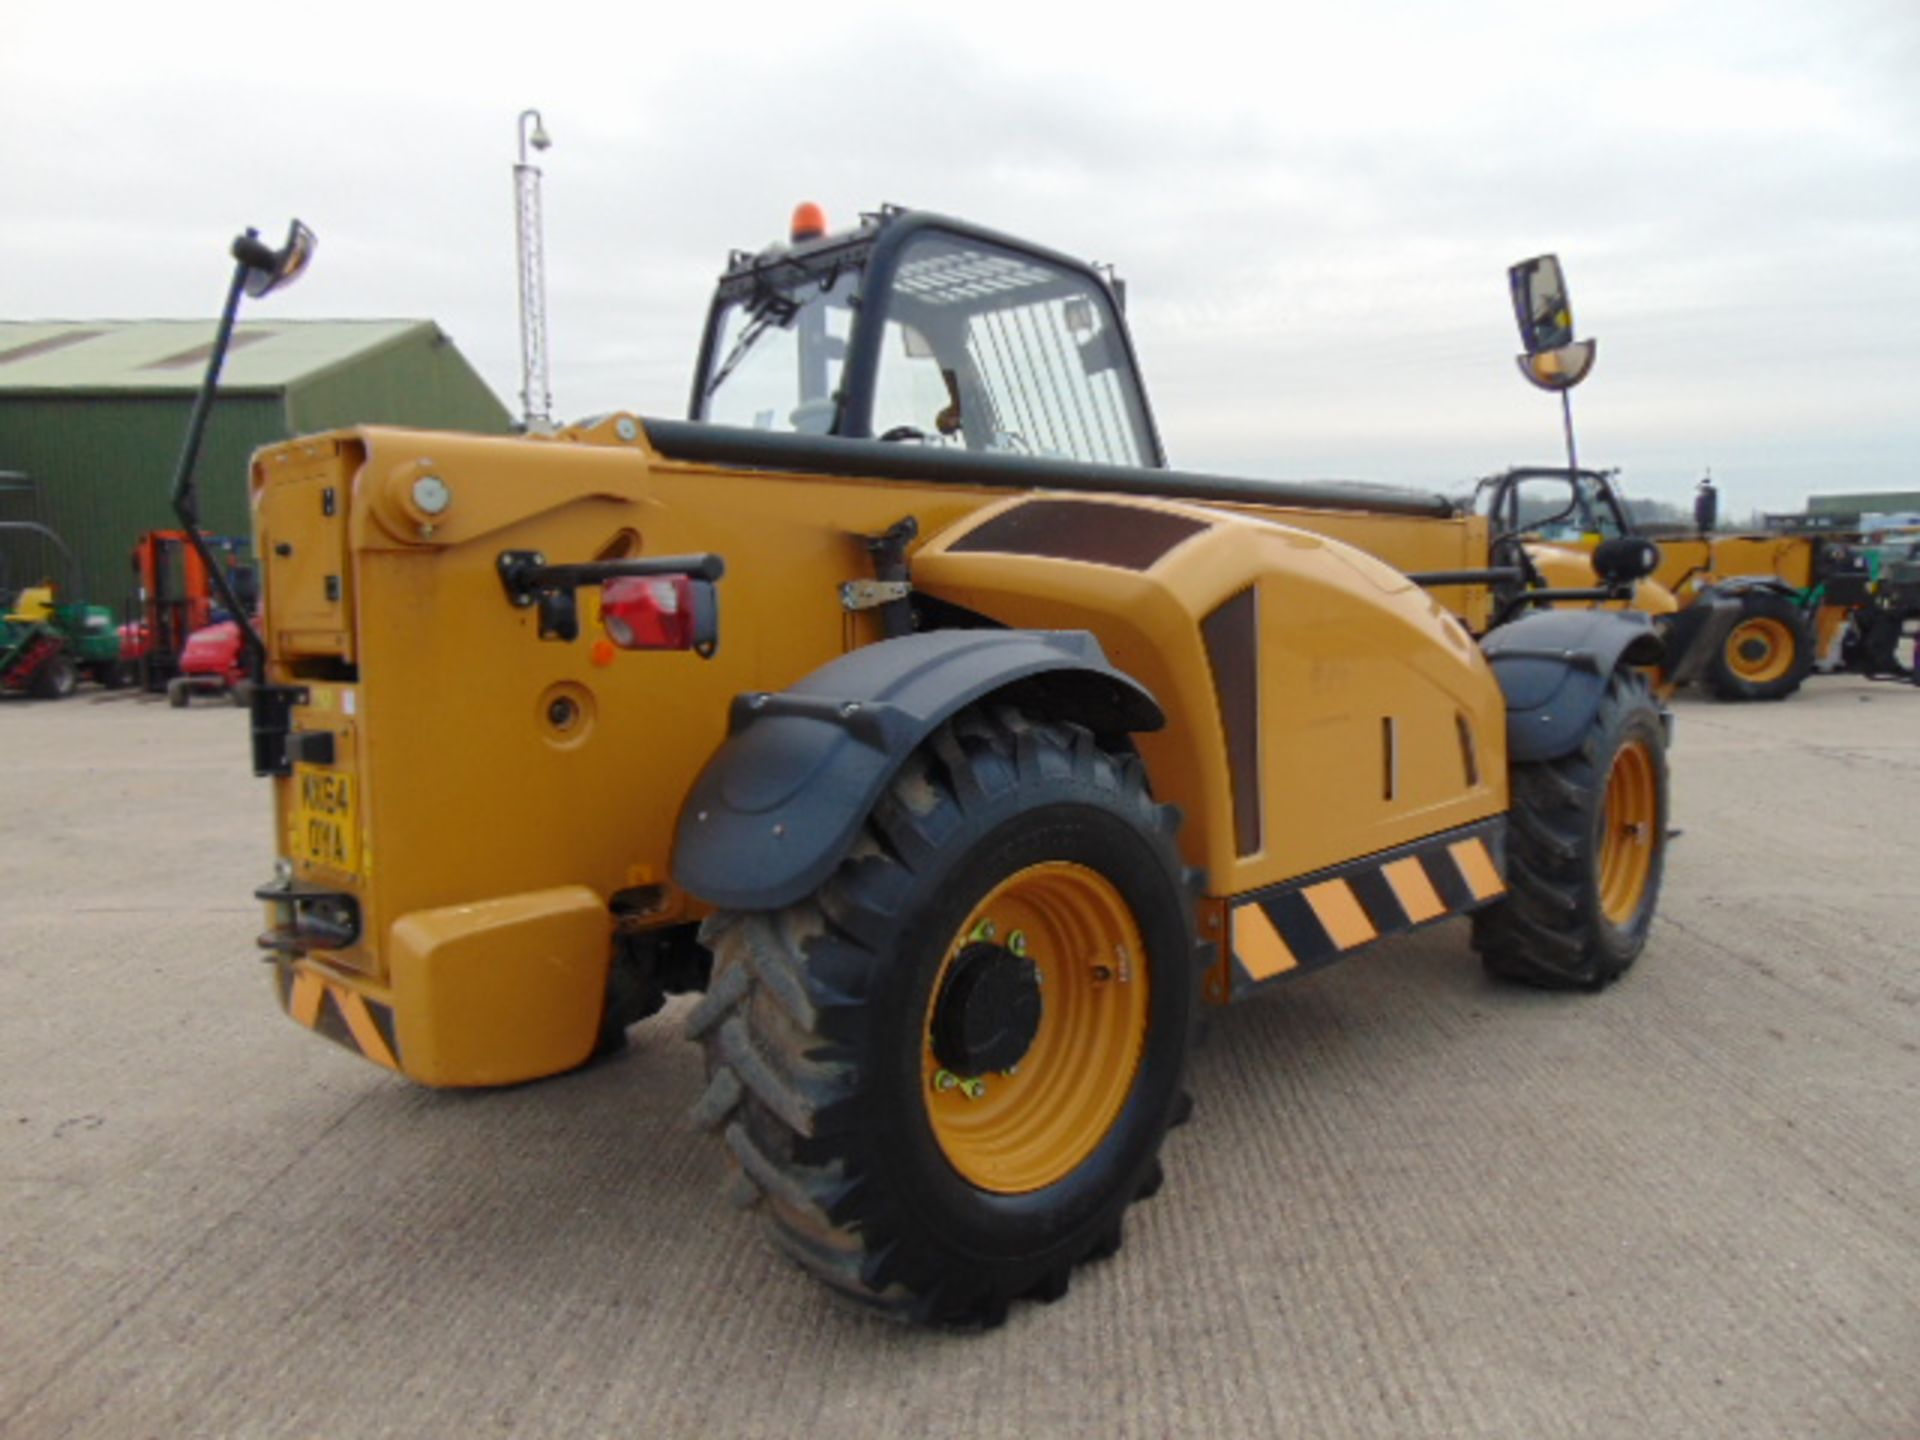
1586,848
58,678
1768,652
178,693
1004,849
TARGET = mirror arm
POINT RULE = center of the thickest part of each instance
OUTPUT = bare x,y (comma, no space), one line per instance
186,497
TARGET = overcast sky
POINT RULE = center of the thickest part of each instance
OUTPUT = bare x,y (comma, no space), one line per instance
1314,206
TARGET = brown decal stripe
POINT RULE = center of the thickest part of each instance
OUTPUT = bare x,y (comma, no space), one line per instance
1309,922
1126,537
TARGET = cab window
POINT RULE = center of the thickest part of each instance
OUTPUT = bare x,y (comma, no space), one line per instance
985,349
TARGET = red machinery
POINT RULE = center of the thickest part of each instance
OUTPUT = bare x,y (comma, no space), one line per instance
174,595
213,663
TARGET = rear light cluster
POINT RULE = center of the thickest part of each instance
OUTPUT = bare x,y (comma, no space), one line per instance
660,612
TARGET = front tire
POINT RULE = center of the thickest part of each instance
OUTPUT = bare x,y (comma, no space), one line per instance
1586,849
946,1075
1768,652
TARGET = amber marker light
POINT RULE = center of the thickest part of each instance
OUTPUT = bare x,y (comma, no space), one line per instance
809,222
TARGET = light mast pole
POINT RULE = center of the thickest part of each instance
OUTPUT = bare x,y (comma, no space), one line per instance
536,394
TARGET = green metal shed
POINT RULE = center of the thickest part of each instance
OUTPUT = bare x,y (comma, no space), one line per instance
92,416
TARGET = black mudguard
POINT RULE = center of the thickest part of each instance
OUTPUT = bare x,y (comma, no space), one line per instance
1693,636
782,800
1740,584
1554,666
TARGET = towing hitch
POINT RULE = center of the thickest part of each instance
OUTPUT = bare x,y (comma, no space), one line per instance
308,917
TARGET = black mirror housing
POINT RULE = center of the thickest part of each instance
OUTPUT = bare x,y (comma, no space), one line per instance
1625,558
269,270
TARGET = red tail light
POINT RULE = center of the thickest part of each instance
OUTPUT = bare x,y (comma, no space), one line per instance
660,612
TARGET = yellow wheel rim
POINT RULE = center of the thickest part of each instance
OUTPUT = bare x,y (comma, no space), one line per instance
1760,649
1016,1132
1629,832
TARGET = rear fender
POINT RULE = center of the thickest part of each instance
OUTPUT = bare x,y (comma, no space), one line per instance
783,799
1553,667
1694,635
1735,586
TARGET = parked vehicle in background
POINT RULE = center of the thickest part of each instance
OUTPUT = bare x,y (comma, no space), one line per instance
213,662
1802,599
51,639
175,595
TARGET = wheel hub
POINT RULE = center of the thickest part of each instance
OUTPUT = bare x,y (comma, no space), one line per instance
988,1010
1753,649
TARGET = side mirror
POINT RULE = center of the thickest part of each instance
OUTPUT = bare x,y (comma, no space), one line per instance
1540,304
268,270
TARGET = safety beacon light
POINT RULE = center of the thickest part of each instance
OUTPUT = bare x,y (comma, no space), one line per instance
809,222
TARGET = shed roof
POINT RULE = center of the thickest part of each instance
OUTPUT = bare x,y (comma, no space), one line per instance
166,356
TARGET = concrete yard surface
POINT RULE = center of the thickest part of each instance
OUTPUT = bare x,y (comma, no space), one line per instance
1411,1202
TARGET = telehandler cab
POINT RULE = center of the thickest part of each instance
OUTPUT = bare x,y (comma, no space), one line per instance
902,701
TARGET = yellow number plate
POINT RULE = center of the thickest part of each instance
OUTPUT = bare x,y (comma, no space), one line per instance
326,828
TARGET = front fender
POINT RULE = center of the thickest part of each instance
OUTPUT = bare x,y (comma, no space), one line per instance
783,798
1553,667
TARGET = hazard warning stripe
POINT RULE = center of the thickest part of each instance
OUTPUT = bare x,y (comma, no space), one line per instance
1309,922
340,1014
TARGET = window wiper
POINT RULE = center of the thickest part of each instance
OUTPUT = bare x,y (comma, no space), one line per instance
769,308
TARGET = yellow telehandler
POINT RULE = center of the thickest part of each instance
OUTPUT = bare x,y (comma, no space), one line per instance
902,703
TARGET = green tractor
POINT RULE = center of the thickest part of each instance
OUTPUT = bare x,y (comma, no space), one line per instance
48,643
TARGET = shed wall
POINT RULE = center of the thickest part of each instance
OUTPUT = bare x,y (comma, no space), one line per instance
102,470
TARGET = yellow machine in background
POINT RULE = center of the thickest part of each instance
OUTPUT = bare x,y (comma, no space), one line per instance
1753,614
903,703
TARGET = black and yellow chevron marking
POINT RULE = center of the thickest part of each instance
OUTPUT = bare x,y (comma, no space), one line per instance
1308,922
332,1010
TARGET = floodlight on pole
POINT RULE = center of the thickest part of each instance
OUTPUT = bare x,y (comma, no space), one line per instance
536,397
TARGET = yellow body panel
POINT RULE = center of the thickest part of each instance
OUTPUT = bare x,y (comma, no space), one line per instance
1344,643
488,992
1566,567
503,787
1688,562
